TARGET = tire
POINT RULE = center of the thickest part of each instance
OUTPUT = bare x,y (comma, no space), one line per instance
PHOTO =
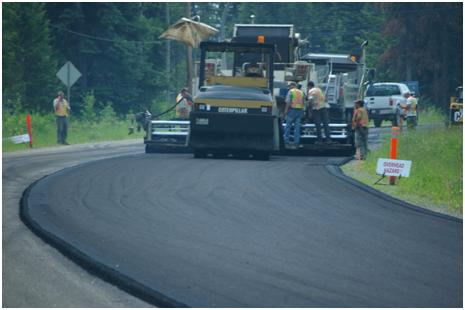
281,135
149,149
200,153
220,155
262,155
377,122
241,155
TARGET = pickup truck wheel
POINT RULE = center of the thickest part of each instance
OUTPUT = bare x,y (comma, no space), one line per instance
378,122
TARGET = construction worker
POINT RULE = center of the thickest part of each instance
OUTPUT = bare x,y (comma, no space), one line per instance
360,126
183,104
411,110
62,108
316,99
400,115
293,112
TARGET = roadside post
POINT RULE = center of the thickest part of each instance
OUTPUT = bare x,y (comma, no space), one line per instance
29,129
393,153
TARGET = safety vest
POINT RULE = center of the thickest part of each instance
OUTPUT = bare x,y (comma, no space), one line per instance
318,98
296,98
61,108
360,118
411,106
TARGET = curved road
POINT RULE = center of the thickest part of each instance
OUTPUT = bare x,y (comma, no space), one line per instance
35,274
240,233
225,233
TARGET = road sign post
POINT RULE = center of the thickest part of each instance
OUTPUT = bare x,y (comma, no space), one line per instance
68,74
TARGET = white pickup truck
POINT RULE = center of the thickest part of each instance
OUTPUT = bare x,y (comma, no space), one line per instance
382,100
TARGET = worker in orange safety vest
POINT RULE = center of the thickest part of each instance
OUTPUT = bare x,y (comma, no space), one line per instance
360,126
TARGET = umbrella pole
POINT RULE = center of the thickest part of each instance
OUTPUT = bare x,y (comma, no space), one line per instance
189,53
189,69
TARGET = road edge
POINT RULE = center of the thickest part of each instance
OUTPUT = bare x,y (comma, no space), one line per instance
335,170
91,265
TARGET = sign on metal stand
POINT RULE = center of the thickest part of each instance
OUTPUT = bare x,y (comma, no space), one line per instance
68,74
393,168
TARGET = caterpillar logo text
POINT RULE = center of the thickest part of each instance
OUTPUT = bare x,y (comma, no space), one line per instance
232,110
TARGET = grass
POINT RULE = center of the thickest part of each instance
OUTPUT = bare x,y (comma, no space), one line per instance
431,115
44,131
436,176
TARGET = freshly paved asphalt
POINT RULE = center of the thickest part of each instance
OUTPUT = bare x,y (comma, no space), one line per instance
241,233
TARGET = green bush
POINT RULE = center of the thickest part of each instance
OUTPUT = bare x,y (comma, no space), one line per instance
108,115
88,110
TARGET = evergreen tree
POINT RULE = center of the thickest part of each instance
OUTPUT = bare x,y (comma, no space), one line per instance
116,48
427,48
29,66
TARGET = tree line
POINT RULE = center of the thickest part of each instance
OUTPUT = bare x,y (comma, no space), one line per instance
125,65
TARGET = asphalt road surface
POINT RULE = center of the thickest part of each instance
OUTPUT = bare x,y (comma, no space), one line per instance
34,274
175,230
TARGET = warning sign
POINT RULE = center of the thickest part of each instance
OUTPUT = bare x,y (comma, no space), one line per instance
392,167
20,139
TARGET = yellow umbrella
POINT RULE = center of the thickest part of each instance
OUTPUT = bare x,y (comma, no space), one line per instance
188,32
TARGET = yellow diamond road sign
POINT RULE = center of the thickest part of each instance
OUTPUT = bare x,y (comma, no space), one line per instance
68,74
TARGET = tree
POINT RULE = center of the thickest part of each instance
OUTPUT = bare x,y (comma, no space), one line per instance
427,48
29,67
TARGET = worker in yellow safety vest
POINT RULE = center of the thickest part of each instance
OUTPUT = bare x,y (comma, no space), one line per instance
360,126
293,112
62,108
411,110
